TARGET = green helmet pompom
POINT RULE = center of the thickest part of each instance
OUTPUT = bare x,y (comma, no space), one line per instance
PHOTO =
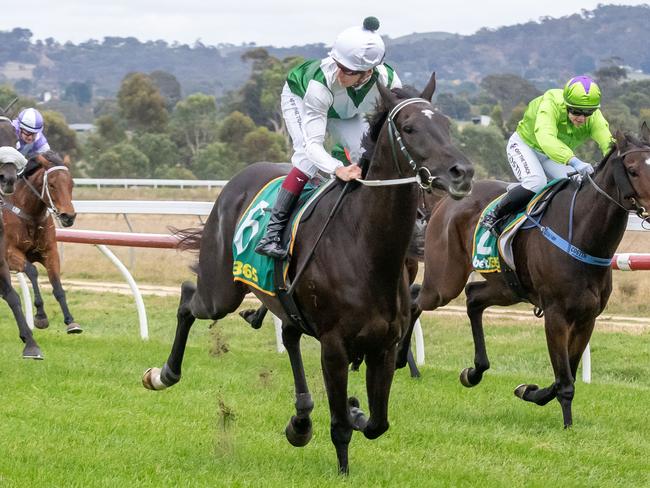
371,24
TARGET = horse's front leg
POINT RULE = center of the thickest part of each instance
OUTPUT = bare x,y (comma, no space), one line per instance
334,363
557,339
379,378
40,318
53,267
299,429
31,349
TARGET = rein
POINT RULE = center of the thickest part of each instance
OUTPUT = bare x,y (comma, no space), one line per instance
566,245
393,134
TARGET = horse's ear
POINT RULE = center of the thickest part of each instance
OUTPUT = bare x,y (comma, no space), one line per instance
645,132
389,99
621,140
429,90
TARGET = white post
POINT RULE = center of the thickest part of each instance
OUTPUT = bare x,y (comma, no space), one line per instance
278,333
419,343
27,300
586,365
142,314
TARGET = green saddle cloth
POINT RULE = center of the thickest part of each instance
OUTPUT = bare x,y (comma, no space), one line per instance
250,267
485,250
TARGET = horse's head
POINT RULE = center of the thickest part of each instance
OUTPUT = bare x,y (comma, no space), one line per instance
421,142
635,158
56,188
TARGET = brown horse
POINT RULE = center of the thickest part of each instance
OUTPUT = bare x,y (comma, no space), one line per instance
570,292
43,191
8,171
353,294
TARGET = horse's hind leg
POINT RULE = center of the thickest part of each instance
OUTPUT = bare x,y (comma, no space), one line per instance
31,349
40,318
170,374
298,430
480,295
334,362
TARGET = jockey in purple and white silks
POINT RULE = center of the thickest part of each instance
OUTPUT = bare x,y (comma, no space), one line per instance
541,149
29,131
328,96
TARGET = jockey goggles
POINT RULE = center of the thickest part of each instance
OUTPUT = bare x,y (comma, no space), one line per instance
581,111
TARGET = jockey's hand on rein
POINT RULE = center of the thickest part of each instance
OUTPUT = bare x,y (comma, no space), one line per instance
580,166
347,173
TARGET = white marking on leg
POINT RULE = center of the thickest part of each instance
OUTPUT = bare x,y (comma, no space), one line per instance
156,382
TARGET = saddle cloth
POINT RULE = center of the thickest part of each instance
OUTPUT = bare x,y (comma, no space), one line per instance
487,248
255,269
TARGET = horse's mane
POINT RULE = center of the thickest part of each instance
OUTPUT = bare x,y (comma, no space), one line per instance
33,165
377,118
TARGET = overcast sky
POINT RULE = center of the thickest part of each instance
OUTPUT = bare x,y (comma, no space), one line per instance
268,22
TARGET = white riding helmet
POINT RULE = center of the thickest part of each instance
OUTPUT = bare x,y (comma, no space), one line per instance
30,120
359,48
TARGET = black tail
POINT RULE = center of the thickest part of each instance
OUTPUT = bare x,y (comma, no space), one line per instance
188,239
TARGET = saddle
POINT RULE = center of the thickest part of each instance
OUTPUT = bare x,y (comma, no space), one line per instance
255,269
492,253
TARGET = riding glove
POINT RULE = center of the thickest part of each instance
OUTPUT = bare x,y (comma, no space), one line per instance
580,166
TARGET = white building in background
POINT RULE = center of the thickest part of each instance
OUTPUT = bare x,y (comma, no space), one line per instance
82,128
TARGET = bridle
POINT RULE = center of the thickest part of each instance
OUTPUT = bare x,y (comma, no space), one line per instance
44,194
639,210
423,176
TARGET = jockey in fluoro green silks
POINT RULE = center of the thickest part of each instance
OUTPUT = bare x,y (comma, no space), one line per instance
329,95
541,148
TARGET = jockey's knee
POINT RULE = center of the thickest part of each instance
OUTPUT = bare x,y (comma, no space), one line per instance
534,184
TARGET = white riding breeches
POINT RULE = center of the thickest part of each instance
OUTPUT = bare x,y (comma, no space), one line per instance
348,132
533,168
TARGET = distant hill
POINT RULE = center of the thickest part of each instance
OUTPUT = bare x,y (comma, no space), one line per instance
544,52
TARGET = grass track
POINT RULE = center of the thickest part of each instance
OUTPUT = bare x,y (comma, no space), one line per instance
82,419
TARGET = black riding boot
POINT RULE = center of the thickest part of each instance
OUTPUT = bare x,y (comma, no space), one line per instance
271,244
514,200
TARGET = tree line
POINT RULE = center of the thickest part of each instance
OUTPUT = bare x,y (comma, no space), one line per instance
150,131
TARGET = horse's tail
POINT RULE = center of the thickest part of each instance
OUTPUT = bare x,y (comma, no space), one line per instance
188,239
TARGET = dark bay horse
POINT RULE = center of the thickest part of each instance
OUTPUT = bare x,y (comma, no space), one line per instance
354,293
571,293
44,190
8,175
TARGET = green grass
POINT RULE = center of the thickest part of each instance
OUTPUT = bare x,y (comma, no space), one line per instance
82,419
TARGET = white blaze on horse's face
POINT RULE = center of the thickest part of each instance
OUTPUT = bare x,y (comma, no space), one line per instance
428,113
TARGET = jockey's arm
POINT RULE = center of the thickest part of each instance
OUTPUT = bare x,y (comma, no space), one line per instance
546,132
318,100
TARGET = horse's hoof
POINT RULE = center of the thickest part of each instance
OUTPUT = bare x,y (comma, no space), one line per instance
151,380
300,437
358,417
41,323
74,328
464,378
32,352
522,389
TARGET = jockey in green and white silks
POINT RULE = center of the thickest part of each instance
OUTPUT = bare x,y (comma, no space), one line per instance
328,96
314,103
541,149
